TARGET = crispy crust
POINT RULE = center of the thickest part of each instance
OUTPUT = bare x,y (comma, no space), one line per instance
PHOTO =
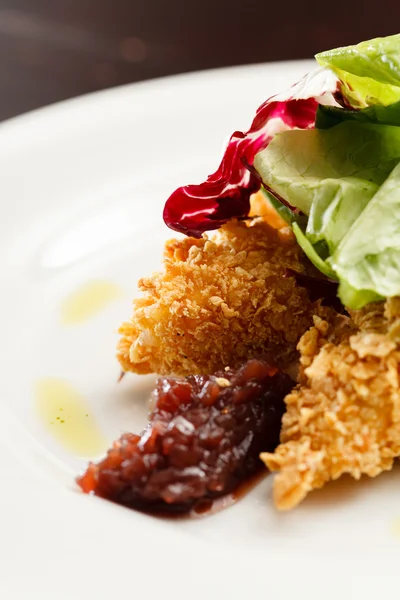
345,415
218,302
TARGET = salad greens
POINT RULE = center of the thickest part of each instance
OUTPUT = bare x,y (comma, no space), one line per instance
328,116
369,72
327,151
344,175
368,257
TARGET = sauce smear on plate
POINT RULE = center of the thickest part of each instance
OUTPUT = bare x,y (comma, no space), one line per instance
88,300
66,415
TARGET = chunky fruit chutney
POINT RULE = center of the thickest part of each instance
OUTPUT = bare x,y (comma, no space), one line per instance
204,438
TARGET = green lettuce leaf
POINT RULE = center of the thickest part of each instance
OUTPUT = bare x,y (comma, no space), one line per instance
368,257
369,72
312,253
346,179
330,175
344,175
329,116
356,299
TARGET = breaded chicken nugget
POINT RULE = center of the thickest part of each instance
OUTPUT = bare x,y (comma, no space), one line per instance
220,301
345,415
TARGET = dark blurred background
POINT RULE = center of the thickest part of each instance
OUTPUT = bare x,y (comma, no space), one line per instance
54,49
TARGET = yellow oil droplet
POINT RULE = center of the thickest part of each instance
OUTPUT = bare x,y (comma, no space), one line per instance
396,527
67,417
90,299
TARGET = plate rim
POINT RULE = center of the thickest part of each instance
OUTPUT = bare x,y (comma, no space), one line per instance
179,79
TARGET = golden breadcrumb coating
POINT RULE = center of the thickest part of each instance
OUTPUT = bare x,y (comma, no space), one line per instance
219,301
345,415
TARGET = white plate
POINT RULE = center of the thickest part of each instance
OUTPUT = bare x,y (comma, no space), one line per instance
82,188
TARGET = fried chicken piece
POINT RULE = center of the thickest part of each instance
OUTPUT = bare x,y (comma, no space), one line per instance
345,415
220,301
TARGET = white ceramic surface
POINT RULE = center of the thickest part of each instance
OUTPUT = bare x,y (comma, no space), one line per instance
82,185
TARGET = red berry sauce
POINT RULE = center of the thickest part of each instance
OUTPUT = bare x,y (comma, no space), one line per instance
203,439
